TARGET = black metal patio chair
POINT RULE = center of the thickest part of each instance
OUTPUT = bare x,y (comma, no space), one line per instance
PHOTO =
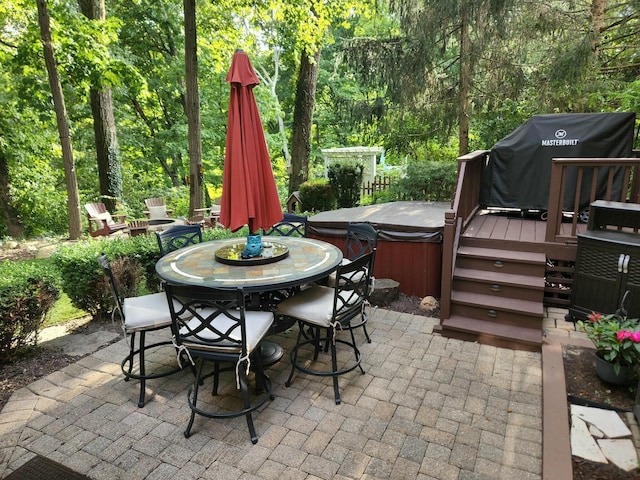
140,315
327,311
177,237
220,330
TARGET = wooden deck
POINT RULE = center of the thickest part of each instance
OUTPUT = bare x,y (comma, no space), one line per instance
492,295
512,227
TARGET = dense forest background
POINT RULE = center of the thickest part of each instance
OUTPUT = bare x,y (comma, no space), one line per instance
426,80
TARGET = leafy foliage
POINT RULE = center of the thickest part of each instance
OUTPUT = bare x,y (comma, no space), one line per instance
28,290
346,180
317,196
386,77
616,338
432,181
82,276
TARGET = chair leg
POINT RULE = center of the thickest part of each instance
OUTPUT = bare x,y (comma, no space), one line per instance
142,371
294,354
192,402
247,404
132,349
366,334
356,352
334,367
137,353
216,378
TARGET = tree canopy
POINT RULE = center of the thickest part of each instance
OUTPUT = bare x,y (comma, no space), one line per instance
420,78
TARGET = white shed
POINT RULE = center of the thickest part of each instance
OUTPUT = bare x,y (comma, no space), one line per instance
367,156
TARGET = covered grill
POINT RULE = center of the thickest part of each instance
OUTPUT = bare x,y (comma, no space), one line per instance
519,168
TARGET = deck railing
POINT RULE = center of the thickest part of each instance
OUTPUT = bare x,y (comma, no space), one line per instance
623,182
466,201
463,207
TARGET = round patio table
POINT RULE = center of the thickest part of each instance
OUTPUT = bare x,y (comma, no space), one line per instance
307,260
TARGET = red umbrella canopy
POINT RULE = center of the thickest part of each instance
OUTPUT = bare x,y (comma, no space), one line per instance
249,193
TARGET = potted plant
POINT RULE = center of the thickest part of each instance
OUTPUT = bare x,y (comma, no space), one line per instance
617,342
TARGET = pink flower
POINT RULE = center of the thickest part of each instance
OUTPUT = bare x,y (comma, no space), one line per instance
622,334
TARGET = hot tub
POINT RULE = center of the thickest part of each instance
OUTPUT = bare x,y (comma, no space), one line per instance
409,241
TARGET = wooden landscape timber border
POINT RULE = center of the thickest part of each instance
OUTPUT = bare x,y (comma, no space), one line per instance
556,431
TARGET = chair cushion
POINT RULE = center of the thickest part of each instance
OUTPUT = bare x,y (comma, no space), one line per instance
355,276
258,324
146,312
104,218
313,305
157,212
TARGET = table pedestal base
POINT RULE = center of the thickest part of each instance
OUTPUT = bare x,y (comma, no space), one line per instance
271,353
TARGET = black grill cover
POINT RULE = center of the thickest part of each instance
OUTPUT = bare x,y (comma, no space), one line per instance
519,167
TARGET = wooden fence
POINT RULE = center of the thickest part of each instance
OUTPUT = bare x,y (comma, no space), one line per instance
379,184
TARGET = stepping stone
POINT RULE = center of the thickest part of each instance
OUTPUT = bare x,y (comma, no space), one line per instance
595,432
621,452
582,443
607,421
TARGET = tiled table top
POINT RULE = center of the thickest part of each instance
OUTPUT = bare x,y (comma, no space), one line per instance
308,260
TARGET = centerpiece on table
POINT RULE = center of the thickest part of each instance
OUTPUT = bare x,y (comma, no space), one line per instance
617,342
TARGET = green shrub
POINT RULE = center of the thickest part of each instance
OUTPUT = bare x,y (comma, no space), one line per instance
316,196
82,278
382,196
431,181
28,290
346,182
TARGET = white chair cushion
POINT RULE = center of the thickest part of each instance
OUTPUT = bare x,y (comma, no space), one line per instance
146,311
258,324
355,276
105,219
157,212
313,305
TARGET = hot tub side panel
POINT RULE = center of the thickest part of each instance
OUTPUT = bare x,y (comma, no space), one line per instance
415,265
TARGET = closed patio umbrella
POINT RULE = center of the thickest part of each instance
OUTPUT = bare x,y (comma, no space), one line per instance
249,193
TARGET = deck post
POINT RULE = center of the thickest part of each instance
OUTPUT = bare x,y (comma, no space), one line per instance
448,252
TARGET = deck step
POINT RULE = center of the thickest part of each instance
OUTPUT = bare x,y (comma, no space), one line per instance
497,296
502,261
491,333
505,255
513,279
499,284
522,307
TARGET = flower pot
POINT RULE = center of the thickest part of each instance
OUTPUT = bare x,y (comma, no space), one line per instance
607,373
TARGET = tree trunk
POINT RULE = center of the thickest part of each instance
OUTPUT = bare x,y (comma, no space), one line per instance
598,8
14,228
104,125
302,120
192,106
463,99
75,225
272,82
104,128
